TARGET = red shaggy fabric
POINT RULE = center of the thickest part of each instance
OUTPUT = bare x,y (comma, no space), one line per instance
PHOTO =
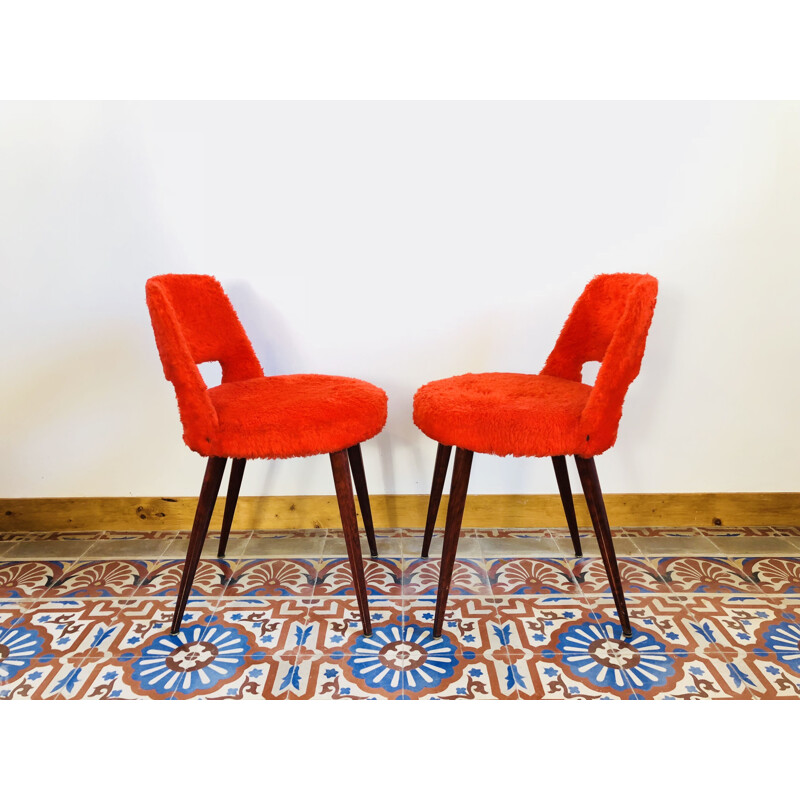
249,415
552,413
295,415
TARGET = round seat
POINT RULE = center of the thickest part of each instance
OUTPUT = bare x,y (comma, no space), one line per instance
284,416
503,413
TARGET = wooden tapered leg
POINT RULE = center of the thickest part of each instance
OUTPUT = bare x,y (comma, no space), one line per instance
202,517
347,510
565,490
360,480
455,513
439,473
597,509
234,484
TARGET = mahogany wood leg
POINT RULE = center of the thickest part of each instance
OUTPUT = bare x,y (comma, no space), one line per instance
347,510
360,480
202,517
439,473
564,489
234,484
597,509
455,513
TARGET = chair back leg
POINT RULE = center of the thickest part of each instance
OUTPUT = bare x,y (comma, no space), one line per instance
202,518
234,484
347,510
565,490
439,473
597,510
360,480
455,513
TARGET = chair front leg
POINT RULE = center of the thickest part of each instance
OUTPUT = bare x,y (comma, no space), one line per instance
234,484
439,473
360,480
455,513
565,490
347,510
202,518
597,510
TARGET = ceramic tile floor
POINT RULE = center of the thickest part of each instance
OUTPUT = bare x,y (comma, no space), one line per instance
715,612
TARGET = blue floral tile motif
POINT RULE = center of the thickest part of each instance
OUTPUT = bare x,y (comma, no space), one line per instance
784,640
601,654
194,659
391,653
18,647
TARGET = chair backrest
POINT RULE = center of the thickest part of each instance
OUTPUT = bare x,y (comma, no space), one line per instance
194,322
609,324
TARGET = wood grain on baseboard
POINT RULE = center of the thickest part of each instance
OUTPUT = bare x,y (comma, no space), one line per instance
397,511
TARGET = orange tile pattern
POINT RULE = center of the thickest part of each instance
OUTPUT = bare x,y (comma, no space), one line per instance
715,614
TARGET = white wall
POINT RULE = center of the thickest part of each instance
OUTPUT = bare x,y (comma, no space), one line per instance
399,243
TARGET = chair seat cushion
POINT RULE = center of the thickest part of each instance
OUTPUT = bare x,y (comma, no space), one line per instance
504,413
284,416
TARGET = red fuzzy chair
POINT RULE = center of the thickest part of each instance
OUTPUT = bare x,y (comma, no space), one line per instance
252,416
550,414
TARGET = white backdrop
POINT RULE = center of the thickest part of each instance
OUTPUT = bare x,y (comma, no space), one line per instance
399,243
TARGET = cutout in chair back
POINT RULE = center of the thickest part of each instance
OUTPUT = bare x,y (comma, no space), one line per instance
609,323
197,323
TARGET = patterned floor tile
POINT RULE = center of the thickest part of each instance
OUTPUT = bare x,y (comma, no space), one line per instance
734,622
42,679
550,676
636,574
786,530
773,575
274,576
163,578
93,622
29,579
744,530
531,576
710,574
97,579
470,622
384,576
421,576
689,677
524,533
73,536
464,675
765,676
648,531
335,660
679,625
558,649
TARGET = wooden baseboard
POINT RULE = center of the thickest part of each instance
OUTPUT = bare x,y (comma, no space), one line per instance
397,511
